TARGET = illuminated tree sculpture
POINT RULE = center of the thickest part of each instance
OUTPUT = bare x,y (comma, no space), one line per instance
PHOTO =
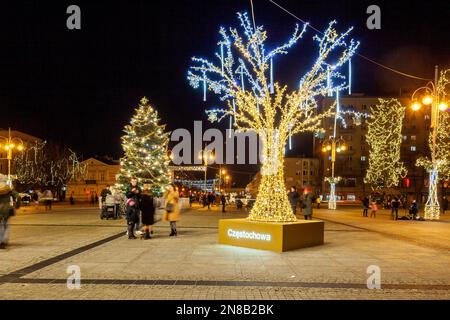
437,97
243,78
442,153
384,137
145,147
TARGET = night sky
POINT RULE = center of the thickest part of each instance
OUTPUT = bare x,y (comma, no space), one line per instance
79,87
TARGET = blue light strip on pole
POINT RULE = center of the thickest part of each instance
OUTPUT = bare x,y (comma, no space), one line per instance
271,76
349,76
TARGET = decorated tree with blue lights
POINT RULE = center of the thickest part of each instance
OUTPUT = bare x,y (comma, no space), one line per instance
243,79
145,150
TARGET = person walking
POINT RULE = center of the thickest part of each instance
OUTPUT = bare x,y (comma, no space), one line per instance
72,199
134,192
205,200
47,197
223,199
132,216
147,206
7,199
293,197
210,200
172,208
35,199
318,202
307,206
395,205
366,205
373,209
414,209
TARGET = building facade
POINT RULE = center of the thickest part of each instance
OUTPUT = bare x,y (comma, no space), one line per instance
352,163
99,174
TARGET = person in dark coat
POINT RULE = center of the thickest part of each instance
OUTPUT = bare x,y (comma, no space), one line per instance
7,198
204,200
414,209
366,206
132,217
210,200
307,206
293,197
147,207
224,201
133,192
104,193
395,205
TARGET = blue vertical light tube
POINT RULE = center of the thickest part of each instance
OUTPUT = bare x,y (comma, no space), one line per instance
242,78
330,93
349,76
204,86
221,56
271,76
290,140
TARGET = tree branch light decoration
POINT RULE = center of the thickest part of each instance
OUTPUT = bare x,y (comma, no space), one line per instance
243,80
44,164
384,137
145,146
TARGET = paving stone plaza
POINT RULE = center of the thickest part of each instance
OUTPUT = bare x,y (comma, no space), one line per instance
413,258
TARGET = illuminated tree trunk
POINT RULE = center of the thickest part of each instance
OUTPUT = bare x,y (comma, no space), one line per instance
432,209
272,204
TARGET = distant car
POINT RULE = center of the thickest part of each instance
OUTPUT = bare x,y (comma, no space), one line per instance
25,198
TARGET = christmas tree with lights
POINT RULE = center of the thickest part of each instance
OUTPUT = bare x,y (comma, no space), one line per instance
145,150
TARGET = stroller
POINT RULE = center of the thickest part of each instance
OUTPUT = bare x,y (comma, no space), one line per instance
108,208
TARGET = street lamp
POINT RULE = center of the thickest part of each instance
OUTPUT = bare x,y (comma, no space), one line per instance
205,155
9,144
227,179
335,145
433,95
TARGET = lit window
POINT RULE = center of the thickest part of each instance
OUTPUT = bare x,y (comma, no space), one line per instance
427,117
363,158
413,148
404,138
413,138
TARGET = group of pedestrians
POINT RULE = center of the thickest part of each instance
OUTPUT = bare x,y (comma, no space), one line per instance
372,205
141,208
307,202
394,204
209,199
